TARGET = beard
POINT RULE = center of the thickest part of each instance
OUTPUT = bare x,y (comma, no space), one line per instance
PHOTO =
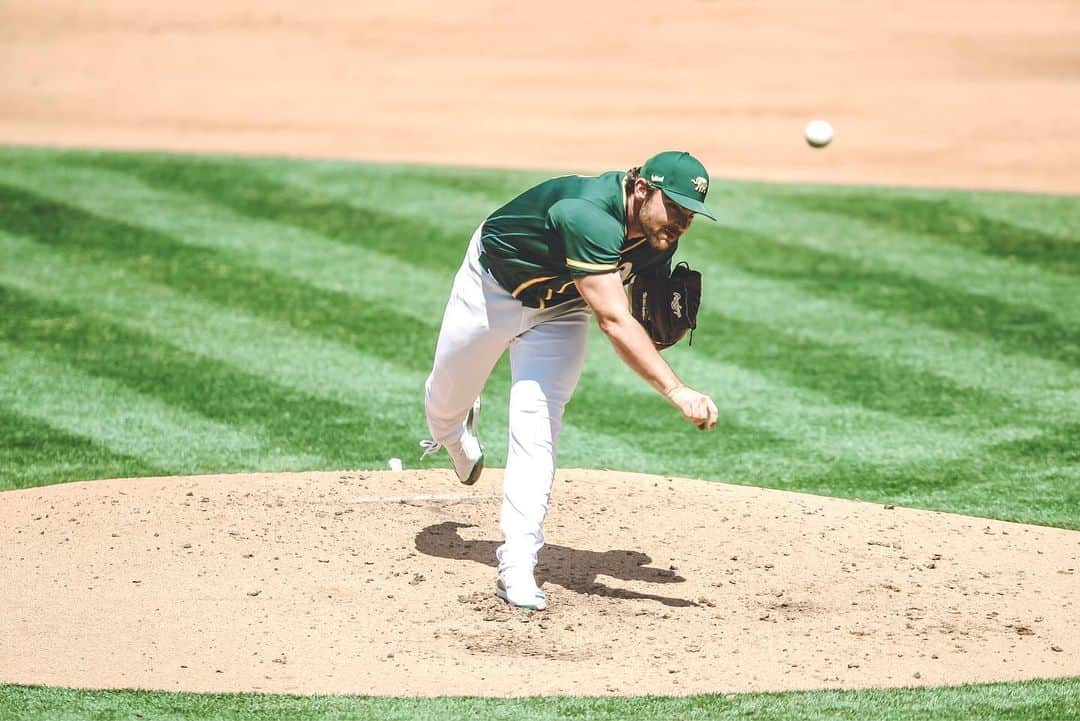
660,238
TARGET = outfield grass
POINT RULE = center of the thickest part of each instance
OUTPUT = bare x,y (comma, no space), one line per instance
168,314
1057,700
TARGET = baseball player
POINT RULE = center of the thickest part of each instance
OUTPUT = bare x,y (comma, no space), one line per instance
535,271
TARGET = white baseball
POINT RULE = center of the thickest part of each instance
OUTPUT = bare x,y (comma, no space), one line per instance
818,133
395,464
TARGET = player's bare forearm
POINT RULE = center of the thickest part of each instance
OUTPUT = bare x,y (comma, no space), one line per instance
604,294
634,346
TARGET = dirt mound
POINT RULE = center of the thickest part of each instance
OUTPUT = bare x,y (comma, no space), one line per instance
381,583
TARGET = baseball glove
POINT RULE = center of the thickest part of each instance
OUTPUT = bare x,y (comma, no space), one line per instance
667,305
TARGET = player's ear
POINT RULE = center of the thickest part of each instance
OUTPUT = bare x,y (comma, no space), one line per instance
641,189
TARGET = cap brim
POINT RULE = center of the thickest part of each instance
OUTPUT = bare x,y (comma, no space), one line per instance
692,204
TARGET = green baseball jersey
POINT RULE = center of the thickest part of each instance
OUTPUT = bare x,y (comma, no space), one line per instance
564,228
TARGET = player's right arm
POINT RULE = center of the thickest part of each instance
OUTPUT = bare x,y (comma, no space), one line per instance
605,295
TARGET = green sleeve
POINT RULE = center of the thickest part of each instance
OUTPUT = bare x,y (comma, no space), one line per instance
592,237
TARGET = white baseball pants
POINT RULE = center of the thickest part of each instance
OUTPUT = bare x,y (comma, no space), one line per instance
547,353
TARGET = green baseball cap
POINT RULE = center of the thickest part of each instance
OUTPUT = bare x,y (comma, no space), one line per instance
681,177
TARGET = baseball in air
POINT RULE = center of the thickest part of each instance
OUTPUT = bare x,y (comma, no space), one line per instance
818,133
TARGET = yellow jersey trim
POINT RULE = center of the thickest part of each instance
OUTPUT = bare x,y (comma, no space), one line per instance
530,283
582,265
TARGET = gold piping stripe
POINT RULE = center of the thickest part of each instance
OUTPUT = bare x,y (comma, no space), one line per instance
564,286
590,266
531,282
627,250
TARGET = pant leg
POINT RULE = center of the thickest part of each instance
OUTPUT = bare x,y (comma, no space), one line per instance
480,320
546,363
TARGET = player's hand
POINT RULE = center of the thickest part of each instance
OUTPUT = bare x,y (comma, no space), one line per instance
697,408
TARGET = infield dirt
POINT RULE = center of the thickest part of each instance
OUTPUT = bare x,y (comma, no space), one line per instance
382,583
378,583
970,93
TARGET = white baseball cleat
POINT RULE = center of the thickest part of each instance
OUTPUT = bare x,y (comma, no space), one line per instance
521,591
467,454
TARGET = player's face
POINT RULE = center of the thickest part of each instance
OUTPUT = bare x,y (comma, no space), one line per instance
663,220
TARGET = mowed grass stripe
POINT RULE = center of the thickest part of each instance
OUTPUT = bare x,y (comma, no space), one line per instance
919,256
970,363
158,210
208,272
935,397
305,258
942,395
448,198
1026,287
34,453
458,199
455,199
323,431
266,347
1029,481
248,191
127,422
734,452
216,277
639,439
947,222
849,375
348,272
143,204
836,431
1058,215
1014,328
388,397
880,383
229,279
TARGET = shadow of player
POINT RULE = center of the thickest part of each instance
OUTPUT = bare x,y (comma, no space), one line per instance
572,568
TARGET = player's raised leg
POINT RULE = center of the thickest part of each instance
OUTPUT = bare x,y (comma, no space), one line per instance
479,321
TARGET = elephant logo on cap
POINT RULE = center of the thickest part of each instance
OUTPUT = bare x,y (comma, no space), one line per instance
700,184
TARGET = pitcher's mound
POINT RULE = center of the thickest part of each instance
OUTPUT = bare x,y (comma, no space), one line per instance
382,583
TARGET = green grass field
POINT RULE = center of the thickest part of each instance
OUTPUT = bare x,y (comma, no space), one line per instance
176,314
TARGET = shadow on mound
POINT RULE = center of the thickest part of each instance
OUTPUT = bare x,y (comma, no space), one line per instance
572,568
